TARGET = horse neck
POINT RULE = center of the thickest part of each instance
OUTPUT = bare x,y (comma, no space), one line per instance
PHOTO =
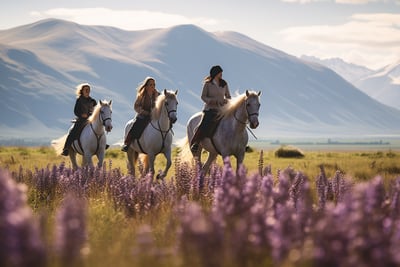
163,120
97,124
240,116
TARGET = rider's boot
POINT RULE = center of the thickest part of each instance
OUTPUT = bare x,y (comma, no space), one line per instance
68,143
127,141
194,143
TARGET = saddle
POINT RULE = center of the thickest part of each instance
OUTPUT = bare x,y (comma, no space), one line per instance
78,128
138,127
210,128
209,124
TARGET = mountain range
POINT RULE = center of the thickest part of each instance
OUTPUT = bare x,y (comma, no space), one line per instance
382,84
41,63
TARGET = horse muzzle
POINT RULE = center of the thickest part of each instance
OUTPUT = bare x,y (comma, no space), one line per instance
108,128
173,120
254,124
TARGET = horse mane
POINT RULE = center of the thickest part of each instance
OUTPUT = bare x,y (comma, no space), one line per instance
97,109
232,105
156,112
95,113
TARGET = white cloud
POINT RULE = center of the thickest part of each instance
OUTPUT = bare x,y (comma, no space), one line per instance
371,39
356,2
124,19
302,1
351,2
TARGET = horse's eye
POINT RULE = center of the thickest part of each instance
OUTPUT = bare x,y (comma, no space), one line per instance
166,103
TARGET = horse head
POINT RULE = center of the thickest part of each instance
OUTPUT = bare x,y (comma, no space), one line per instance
252,107
105,114
171,105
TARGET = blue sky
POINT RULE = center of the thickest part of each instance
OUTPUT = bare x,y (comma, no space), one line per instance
364,32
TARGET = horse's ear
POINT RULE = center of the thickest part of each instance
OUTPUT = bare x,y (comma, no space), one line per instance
247,92
165,91
259,93
100,102
109,103
176,92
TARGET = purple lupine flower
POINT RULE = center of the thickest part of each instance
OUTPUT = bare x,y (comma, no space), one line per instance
70,229
395,199
261,163
21,241
184,176
200,238
322,188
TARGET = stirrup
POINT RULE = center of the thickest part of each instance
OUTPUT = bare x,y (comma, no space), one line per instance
194,148
65,152
125,148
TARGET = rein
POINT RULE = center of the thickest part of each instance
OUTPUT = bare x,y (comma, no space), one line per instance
247,120
162,132
98,136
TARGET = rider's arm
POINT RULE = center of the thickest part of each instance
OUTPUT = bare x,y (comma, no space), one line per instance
205,95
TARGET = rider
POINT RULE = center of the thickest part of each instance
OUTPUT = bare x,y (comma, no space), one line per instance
145,101
215,94
84,106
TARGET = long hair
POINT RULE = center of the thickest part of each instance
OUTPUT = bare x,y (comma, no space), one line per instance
222,82
143,84
140,89
156,112
79,88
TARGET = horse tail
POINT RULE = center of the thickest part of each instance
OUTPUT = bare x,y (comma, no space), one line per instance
184,153
58,144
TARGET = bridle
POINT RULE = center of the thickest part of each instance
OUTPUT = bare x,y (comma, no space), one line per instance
98,136
247,112
162,132
100,119
248,117
104,120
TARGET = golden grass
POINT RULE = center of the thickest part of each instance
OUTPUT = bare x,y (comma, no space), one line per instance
358,165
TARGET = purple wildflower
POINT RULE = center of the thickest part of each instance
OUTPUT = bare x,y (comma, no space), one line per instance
70,229
21,243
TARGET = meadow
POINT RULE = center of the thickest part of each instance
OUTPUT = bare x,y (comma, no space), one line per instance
327,208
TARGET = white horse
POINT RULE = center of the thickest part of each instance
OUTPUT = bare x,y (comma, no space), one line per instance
230,137
92,140
157,136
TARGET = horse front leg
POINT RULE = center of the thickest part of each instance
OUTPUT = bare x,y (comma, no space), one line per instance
152,158
87,159
100,158
211,157
72,157
163,174
239,161
132,158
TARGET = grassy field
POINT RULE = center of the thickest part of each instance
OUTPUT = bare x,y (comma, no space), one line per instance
359,165
120,221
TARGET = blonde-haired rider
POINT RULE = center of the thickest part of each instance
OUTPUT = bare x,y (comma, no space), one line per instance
84,106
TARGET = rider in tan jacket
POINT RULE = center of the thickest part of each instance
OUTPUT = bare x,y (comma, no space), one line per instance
215,94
